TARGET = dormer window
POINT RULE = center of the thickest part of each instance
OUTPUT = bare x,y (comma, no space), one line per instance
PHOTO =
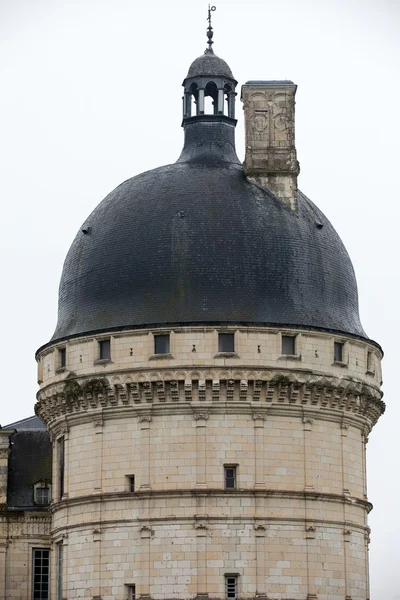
42,492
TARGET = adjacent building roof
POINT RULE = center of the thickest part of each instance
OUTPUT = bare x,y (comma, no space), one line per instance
30,461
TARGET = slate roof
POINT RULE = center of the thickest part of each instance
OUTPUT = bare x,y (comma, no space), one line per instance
30,460
28,423
196,242
209,64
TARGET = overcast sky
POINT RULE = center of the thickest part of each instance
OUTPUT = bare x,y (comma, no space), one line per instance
91,95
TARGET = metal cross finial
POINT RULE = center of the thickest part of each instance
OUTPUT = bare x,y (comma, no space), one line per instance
210,31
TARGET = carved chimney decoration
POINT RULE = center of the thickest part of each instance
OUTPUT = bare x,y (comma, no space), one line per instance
270,159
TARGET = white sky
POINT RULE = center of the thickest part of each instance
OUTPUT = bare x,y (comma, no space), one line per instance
91,95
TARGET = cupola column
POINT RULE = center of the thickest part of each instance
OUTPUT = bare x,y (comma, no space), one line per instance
201,102
220,101
187,104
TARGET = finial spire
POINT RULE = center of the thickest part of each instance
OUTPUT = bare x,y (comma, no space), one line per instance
210,32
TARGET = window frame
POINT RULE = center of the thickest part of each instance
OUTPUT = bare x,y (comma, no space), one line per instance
60,567
234,478
131,483
35,552
101,345
157,340
223,347
38,487
338,352
60,467
284,338
371,368
233,577
62,357
131,591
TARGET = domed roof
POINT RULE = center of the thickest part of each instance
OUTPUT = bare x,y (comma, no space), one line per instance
209,64
197,242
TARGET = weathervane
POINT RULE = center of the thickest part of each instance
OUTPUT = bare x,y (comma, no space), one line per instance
210,31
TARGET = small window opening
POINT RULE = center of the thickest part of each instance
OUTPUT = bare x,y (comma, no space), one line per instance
289,345
161,344
370,362
104,349
59,571
211,99
230,478
131,592
41,573
42,493
338,352
60,460
231,587
226,342
131,483
62,358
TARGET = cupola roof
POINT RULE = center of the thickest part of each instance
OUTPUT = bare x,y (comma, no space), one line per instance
209,64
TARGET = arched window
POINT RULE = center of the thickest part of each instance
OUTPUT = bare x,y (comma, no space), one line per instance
211,99
194,97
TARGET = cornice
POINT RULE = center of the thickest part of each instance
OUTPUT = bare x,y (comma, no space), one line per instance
203,522
212,493
222,389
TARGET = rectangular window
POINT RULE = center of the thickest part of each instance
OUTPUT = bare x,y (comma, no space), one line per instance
231,592
131,483
161,344
338,352
61,465
131,592
230,478
226,342
42,495
370,362
289,345
105,349
59,571
62,358
40,573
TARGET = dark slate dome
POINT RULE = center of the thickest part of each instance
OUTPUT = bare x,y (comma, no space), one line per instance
195,242
209,64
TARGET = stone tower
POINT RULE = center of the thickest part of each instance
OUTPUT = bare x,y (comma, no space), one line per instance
209,388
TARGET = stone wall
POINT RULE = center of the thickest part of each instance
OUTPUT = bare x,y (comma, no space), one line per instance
295,428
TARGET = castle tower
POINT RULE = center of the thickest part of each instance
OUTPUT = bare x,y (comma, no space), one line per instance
209,388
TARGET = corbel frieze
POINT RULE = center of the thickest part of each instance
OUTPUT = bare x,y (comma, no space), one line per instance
266,388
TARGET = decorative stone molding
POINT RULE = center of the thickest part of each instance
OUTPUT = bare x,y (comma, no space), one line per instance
232,385
310,531
308,421
260,529
145,419
198,416
146,532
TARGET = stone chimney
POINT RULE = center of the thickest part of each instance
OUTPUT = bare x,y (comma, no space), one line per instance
270,159
4,454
